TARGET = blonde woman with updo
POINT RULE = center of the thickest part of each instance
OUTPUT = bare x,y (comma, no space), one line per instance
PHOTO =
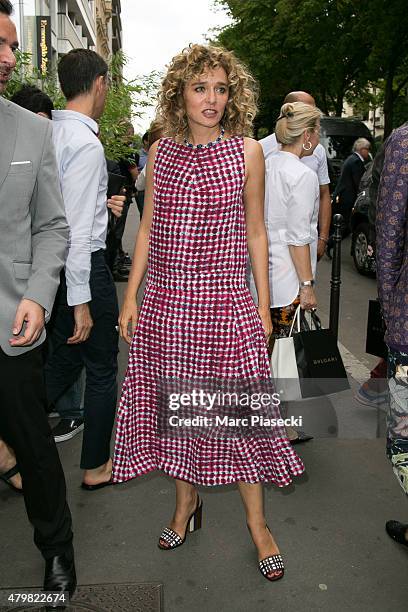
203,213
291,216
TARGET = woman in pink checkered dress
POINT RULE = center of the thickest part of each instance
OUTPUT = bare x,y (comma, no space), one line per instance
203,213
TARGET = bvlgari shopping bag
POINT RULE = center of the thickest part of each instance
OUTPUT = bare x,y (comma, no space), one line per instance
319,366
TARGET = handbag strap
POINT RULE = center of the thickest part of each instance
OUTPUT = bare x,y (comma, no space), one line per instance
296,317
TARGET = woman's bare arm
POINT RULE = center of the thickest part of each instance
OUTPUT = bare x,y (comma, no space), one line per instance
254,196
129,313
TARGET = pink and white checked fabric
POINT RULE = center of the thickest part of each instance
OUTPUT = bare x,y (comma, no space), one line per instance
197,320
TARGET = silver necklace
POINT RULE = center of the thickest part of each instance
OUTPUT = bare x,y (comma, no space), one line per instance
209,144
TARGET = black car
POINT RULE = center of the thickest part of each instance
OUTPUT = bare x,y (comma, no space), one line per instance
362,246
338,135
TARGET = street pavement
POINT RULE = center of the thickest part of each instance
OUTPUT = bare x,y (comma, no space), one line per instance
329,523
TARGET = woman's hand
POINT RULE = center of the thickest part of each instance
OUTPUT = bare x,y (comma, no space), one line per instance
307,298
128,319
265,315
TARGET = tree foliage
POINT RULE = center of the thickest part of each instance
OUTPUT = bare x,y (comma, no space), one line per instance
122,97
336,49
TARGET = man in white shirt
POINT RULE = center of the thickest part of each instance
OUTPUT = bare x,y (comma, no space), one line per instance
317,161
84,332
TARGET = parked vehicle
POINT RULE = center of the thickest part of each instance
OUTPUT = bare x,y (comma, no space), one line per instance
338,135
362,247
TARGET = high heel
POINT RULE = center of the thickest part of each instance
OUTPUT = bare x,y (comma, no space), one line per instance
273,563
194,522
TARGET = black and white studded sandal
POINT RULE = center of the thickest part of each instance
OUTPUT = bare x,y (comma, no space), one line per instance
272,564
172,539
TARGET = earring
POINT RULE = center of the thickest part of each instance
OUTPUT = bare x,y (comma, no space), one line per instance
309,147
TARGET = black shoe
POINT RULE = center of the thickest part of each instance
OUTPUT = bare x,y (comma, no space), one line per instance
6,476
397,531
67,429
301,437
60,577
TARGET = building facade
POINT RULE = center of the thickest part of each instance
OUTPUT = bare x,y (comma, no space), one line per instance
374,119
108,27
49,29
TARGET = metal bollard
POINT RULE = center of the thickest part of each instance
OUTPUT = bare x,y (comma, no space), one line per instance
335,281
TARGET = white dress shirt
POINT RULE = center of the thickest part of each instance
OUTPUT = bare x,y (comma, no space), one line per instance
141,179
291,215
84,181
316,162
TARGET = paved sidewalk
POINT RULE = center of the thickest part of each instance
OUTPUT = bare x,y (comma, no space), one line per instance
329,525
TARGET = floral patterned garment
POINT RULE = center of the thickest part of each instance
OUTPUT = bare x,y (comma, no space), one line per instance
392,239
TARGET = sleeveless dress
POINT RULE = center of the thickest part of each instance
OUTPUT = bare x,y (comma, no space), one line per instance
197,320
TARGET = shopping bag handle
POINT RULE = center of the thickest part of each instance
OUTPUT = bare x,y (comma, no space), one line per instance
299,317
316,320
296,317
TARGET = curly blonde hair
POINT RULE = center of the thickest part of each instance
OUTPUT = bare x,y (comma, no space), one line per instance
192,62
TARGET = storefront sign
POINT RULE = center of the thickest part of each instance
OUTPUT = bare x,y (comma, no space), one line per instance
43,43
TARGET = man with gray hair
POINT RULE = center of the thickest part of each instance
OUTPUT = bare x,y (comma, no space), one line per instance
346,190
362,148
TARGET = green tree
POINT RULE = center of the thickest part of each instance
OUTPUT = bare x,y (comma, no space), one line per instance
385,25
250,36
323,48
336,49
313,45
122,98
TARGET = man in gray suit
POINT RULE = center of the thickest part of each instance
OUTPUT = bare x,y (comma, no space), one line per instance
33,240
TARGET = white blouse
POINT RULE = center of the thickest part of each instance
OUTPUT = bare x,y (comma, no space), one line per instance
291,216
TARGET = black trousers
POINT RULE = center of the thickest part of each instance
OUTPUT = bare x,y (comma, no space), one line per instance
24,427
98,355
116,229
140,195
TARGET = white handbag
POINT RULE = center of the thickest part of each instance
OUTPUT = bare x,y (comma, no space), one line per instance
284,367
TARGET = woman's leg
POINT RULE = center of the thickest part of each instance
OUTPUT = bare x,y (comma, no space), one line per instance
252,497
186,501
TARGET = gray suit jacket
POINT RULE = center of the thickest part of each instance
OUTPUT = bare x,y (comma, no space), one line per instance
33,228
